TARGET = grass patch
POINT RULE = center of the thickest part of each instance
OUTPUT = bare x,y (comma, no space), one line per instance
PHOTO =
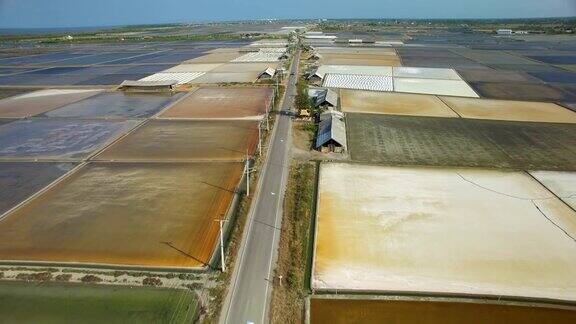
288,296
70,303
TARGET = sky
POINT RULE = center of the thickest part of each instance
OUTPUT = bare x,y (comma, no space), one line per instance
88,13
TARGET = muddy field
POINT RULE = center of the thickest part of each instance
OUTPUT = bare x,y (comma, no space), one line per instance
342,311
521,91
244,67
461,142
227,77
222,103
58,138
357,101
21,180
157,215
360,59
214,58
425,230
198,67
38,102
485,75
170,140
116,105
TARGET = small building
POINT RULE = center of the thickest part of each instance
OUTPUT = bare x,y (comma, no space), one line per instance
248,50
305,114
325,98
267,74
331,132
148,86
315,77
504,32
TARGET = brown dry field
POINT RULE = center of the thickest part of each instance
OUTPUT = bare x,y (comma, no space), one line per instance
510,110
336,311
34,103
171,140
156,215
222,103
244,67
330,56
369,62
475,75
215,58
356,51
226,77
521,91
375,102
197,67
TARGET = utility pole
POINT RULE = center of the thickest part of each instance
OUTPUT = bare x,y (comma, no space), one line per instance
260,138
276,77
247,169
222,260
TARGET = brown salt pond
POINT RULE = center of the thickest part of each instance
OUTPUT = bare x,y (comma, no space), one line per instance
357,101
510,110
222,103
179,140
132,214
376,311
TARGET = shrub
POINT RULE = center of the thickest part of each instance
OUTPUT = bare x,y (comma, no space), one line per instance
63,277
91,279
39,276
152,281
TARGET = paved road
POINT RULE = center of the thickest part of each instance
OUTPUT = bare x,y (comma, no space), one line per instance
248,298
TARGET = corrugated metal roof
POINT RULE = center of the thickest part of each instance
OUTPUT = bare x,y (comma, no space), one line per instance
353,69
323,96
332,127
132,83
270,71
179,77
359,82
260,56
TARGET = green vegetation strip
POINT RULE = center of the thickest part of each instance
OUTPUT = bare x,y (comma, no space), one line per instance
69,303
289,292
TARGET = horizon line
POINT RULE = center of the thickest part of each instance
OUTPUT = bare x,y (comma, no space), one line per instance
282,19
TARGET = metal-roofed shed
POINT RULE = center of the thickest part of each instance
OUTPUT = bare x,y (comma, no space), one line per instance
131,85
331,132
326,97
267,74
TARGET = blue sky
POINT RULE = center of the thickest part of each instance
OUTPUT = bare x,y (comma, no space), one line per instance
79,13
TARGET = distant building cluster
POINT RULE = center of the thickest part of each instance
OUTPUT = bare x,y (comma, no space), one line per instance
511,32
